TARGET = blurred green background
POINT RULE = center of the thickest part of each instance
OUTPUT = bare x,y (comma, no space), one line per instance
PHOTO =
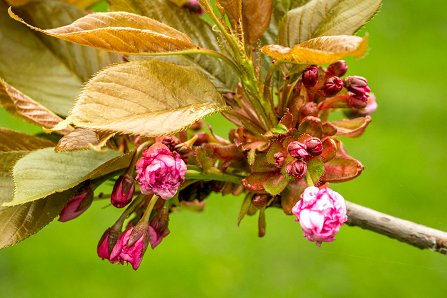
207,255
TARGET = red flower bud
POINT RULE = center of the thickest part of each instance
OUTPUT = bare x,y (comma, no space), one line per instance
338,69
158,227
296,168
131,246
107,242
298,150
310,76
314,146
357,101
279,159
332,86
123,191
357,85
78,204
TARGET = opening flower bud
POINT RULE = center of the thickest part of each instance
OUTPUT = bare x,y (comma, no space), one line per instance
297,168
310,76
314,146
321,213
298,150
357,101
77,204
123,191
338,69
107,242
332,86
131,246
357,85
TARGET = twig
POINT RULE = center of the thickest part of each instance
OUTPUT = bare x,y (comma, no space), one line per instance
400,229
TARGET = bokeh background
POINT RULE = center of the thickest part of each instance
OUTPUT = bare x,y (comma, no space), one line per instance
207,255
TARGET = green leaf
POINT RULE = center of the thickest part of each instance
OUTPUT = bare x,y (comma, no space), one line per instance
119,32
19,222
147,97
198,30
276,184
45,172
48,71
315,168
280,129
11,140
326,17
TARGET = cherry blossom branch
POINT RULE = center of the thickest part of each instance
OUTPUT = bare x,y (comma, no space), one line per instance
399,229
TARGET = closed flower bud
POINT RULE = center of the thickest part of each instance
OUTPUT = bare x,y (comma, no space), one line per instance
107,242
193,6
357,85
314,146
357,101
338,69
279,159
160,171
260,200
158,227
123,191
131,246
321,213
310,76
77,204
298,150
332,86
297,169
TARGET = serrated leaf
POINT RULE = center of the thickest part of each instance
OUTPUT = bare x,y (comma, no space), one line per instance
11,140
197,29
326,17
50,72
340,169
312,126
276,184
256,16
351,127
315,168
147,97
79,139
319,50
20,222
26,108
119,32
45,172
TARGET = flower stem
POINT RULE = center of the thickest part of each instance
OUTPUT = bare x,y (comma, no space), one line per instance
195,173
149,208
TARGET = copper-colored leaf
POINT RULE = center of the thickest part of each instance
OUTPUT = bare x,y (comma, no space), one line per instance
320,50
256,17
233,9
291,195
119,32
79,139
146,97
26,108
311,125
329,149
11,140
341,169
351,127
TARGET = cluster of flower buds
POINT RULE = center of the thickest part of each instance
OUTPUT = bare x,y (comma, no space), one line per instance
353,90
302,152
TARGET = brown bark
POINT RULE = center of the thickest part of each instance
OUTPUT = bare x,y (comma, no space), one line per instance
400,229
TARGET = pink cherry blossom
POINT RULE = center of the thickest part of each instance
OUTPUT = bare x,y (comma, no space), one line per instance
160,171
320,212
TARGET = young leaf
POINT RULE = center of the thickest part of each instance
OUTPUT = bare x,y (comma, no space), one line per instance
51,74
341,169
119,32
320,50
276,184
146,97
351,127
326,17
233,9
11,140
79,139
58,172
200,31
315,167
26,108
256,17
